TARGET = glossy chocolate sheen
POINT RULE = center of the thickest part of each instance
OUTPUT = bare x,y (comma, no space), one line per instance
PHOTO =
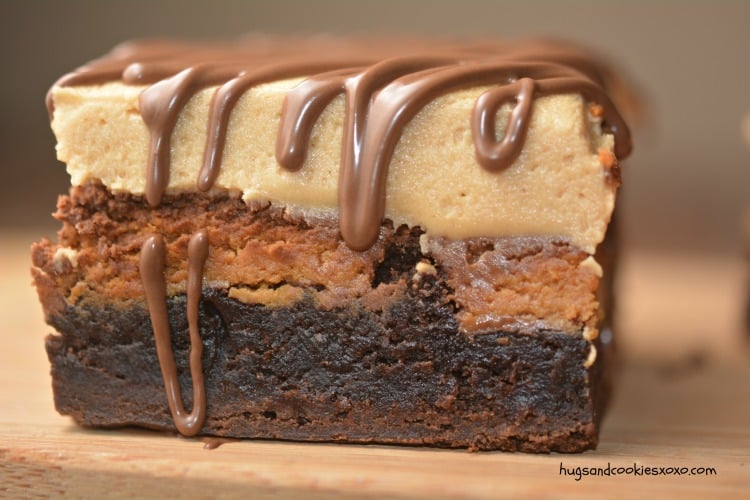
385,83
153,261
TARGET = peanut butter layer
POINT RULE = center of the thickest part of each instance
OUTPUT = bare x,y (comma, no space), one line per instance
264,255
561,184
501,282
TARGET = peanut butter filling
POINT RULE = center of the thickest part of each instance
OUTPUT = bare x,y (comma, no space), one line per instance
267,256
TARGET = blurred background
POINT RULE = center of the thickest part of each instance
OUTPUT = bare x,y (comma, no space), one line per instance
684,187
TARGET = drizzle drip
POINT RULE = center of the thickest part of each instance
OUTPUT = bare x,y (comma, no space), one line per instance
152,264
381,98
212,443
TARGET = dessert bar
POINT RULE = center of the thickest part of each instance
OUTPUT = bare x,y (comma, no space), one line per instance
361,240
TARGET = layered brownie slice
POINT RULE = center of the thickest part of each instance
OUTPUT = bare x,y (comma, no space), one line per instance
328,239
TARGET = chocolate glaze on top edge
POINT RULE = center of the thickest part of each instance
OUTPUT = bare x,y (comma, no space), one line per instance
385,83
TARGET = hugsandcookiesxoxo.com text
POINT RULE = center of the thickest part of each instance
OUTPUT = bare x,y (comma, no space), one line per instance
636,470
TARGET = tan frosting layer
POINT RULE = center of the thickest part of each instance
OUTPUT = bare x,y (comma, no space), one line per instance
560,185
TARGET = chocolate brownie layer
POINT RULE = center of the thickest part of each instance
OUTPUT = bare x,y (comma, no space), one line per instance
384,347
407,376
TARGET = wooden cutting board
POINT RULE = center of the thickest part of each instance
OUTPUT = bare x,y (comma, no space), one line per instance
682,402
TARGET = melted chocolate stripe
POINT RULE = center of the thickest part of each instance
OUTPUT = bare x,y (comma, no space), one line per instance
302,107
161,104
356,175
496,155
360,90
152,264
225,99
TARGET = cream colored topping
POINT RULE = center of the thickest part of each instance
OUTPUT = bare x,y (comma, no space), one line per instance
557,186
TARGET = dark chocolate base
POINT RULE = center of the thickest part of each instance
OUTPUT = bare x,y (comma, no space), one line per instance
406,376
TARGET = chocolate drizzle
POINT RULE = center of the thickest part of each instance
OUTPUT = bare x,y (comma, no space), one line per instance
381,99
153,262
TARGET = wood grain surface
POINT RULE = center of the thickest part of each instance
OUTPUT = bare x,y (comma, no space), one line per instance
682,401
